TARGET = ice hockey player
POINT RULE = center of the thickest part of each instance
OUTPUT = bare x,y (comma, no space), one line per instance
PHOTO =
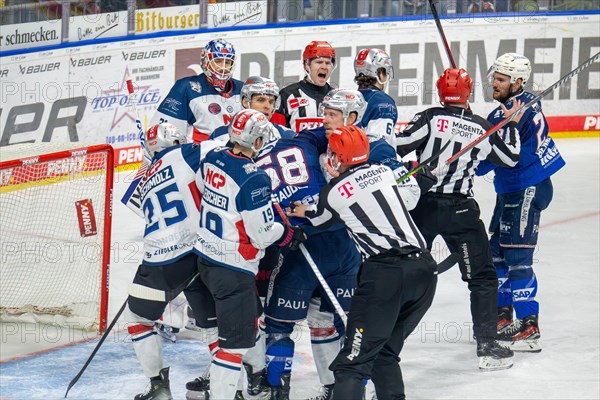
199,104
398,274
261,94
524,191
236,225
450,210
300,101
170,203
374,70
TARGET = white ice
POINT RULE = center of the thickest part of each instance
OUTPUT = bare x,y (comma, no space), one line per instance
438,361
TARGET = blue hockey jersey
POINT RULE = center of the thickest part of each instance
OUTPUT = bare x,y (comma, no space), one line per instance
294,168
197,108
539,157
380,116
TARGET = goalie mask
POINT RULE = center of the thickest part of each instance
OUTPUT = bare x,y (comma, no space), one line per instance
247,126
370,62
348,145
259,85
347,101
162,136
217,61
512,64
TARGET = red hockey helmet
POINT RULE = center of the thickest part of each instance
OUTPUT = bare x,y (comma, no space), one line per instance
454,86
350,145
318,49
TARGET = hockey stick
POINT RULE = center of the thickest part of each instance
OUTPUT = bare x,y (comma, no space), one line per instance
438,23
521,109
102,339
131,198
336,304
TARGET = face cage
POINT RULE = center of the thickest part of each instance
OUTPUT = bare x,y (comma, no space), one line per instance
217,78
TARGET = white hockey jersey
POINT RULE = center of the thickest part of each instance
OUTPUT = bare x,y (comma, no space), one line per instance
236,216
170,201
195,107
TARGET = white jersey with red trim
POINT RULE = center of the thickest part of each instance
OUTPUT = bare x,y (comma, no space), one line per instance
170,202
237,221
195,107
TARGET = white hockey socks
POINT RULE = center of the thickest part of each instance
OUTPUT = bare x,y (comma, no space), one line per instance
225,371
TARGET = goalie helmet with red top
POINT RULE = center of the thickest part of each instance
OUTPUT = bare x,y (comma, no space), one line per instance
348,145
218,61
454,86
162,136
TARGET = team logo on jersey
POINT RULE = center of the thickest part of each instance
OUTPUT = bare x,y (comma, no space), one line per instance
172,104
214,108
346,190
196,87
442,125
298,102
214,179
249,168
230,109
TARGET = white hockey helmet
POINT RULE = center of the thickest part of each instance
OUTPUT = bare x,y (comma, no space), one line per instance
368,62
512,64
346,101
260,85
247,126
162,136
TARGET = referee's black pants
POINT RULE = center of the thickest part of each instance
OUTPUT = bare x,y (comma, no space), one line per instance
456,219
393,294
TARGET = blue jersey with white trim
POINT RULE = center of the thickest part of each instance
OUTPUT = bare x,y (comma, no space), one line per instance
236,217
194,106
380,116
170,202
539,156
294,168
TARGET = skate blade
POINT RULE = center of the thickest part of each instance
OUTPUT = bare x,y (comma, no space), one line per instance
494,364
193,395
527,346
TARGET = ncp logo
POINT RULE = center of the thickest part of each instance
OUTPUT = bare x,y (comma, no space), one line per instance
442,125
215,179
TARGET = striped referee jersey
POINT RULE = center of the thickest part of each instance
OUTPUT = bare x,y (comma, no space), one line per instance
367,200
431,129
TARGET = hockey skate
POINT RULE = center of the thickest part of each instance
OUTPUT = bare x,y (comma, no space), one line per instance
282,392
199,388
158,389
326,393
258,387
493,356
505,319
523,335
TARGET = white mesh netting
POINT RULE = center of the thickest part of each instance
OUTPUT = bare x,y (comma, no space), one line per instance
52,235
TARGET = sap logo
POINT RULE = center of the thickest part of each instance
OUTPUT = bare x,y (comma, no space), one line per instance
344,293
501,282
356,342
522,294
292,304
215,179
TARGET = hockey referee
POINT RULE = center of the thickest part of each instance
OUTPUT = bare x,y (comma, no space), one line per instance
397,280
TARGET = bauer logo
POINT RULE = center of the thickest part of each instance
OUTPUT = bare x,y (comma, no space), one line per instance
86,217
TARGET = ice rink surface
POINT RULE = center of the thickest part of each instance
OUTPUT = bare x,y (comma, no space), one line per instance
438,361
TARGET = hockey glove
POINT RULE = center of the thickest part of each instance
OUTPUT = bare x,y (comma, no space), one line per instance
292,237
424,177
